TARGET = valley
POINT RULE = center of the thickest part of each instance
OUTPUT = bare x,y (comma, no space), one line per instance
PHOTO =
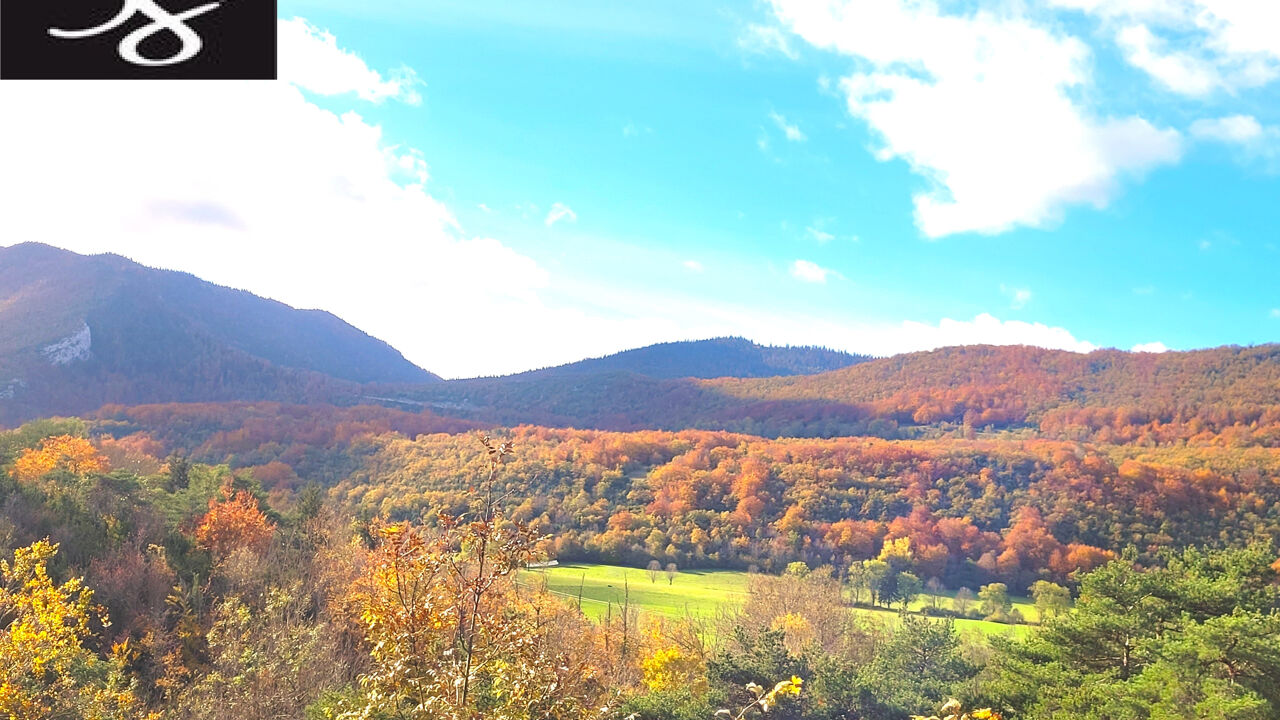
602,590
293,505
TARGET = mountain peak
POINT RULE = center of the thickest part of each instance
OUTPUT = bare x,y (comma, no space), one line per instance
121,332
728,356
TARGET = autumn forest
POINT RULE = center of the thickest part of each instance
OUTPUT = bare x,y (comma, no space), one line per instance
648,360
1030,535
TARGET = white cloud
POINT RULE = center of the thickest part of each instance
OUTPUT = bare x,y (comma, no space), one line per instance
1251,140
1238,129
1275,312
1181,72
559,212
251,185
986,106
1151,347
823,237
248,184
790,130
765,39
311,59
1194,47
811,272
1018,297
644,318
633,130
983,329
693,266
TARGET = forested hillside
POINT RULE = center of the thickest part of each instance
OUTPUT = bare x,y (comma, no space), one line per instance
80,332
981,510
254,550
140,585
714,358
1228,394
77,332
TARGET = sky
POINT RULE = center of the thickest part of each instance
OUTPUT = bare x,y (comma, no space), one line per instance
493,186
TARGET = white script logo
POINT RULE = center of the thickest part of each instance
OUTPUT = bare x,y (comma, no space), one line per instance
161,20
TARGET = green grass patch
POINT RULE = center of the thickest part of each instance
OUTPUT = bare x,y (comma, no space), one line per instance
604,589
946,599
699,593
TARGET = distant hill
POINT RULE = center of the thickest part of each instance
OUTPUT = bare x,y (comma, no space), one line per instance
1042,379
79,331
714,358
1109,395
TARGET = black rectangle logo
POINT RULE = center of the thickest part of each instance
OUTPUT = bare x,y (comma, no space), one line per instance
137,39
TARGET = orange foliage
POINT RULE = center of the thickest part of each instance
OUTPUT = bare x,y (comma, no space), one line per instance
1079,558
137,453
232,523
63,452
1029,546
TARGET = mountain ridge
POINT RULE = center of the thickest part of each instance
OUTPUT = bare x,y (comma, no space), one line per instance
76,330
79,332
728,356
1000,387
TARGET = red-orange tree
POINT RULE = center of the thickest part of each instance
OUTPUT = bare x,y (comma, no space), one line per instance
63,452
234,522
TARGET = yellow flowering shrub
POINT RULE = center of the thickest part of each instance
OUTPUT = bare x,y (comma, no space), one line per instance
671,668
953,710
45,670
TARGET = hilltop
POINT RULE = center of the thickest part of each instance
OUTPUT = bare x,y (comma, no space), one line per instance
711,358
79,331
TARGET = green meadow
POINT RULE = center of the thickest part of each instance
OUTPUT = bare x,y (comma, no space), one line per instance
604,589
695,592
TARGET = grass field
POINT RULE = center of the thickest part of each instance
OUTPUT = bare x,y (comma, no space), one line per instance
697,593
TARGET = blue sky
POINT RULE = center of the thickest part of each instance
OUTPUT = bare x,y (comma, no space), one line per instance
872,175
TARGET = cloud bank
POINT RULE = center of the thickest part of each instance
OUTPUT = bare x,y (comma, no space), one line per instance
987,106
254,186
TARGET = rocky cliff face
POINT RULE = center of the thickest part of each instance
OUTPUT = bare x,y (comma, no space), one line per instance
71,349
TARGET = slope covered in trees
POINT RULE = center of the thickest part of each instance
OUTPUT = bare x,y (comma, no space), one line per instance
714,358
1222,395
994,509
974,511
139,588
80,331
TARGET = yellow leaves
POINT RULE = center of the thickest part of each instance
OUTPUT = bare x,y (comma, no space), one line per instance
953,710
896,550
450,637
782,689
798,632
45,671
48,620
671,668
63,452
765,700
